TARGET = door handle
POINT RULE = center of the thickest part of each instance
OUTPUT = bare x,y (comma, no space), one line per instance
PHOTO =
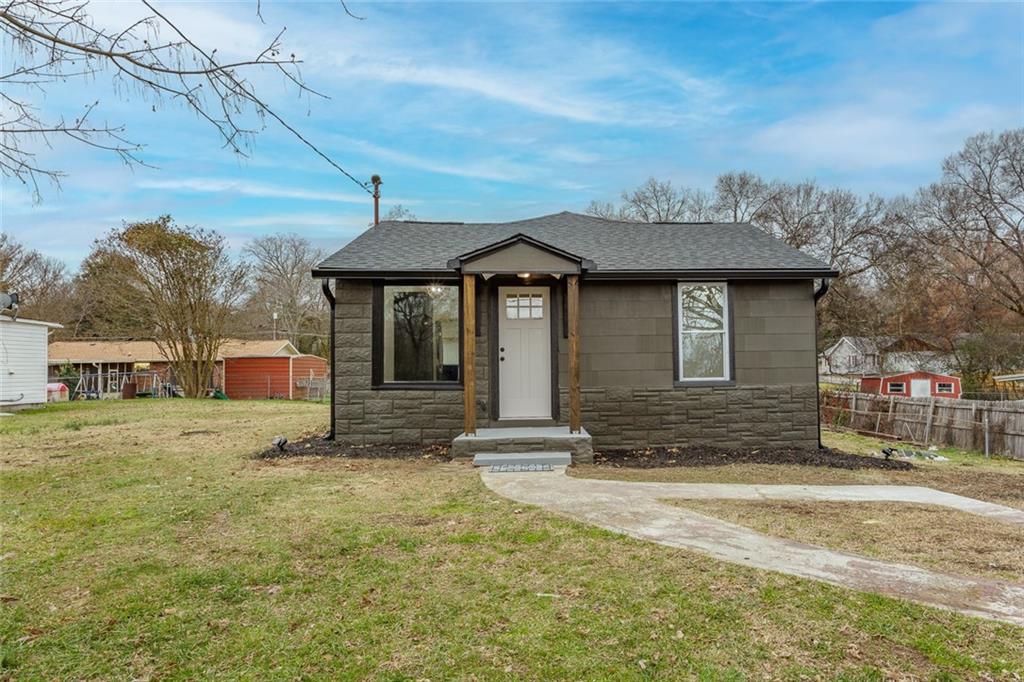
502,349
501,359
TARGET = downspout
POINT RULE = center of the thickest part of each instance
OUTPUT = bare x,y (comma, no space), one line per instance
325,286
818,294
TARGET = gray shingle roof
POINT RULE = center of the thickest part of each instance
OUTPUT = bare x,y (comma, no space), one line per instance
613,246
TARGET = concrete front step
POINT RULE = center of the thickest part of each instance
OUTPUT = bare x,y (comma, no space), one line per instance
543,439
485,459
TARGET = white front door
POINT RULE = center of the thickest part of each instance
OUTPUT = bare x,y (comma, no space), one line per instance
524,353
920,388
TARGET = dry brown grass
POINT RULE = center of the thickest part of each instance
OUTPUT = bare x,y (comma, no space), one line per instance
923,535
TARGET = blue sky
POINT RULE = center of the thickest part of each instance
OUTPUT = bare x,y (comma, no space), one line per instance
485,111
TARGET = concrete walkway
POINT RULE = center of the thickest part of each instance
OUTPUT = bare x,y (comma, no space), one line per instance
637,509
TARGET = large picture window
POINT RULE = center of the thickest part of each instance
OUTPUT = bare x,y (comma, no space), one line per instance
421,333
703,331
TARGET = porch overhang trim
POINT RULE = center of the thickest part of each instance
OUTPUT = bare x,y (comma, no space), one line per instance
482,260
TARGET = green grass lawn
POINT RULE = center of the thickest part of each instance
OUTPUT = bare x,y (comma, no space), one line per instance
141,541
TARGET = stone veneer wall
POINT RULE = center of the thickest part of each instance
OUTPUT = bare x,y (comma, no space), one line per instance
367,415
726,416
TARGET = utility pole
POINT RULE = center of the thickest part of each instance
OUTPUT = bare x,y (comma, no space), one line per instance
376,181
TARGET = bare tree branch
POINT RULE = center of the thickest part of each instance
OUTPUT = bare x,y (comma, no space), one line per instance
56,41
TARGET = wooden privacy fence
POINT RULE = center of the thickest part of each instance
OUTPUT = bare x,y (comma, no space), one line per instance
992,427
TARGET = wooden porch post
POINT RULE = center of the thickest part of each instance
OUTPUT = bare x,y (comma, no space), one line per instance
469,354
573,291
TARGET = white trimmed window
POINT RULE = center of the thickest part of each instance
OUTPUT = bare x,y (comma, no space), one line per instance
897,387
943,387
703,331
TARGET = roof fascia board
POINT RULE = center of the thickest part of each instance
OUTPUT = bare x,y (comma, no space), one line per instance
364,273
595,274
25,320
697,275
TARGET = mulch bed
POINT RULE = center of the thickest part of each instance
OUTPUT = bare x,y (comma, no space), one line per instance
316,446
639,458
704,455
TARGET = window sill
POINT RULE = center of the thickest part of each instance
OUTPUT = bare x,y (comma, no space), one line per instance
419,386
703,383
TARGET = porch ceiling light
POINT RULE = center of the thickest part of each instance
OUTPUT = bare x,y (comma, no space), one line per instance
524,275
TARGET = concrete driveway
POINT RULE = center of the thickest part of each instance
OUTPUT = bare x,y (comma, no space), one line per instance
636,509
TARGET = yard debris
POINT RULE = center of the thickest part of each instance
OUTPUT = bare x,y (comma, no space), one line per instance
279,442
903,453
317,446
707,455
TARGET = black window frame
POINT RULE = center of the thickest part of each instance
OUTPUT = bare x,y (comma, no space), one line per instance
377,339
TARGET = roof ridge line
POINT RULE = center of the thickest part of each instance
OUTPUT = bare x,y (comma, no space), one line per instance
427,222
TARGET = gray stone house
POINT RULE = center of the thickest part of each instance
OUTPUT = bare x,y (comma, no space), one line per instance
561,331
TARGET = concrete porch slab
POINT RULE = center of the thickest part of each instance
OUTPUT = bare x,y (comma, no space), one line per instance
526,432
526,439
483,459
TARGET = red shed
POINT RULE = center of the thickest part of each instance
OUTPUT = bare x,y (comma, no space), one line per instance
268,369
914,385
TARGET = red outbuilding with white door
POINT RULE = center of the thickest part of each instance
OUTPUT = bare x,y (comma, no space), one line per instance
913,385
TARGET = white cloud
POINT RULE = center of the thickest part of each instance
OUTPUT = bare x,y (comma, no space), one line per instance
233,29
251,189
956,28
875,135
551,67
293,219
520,90
495,168
573,155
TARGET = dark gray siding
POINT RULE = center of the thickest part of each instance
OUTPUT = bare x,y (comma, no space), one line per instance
773,333
627,372
627,334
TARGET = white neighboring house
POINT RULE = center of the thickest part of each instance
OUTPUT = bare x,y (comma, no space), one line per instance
23,365
853,357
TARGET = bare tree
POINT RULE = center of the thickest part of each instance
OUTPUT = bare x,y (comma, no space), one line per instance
852,232
399,212
794,214
657,201
187,284
835,225
40,281
280,266
741,196
975,215
53,42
